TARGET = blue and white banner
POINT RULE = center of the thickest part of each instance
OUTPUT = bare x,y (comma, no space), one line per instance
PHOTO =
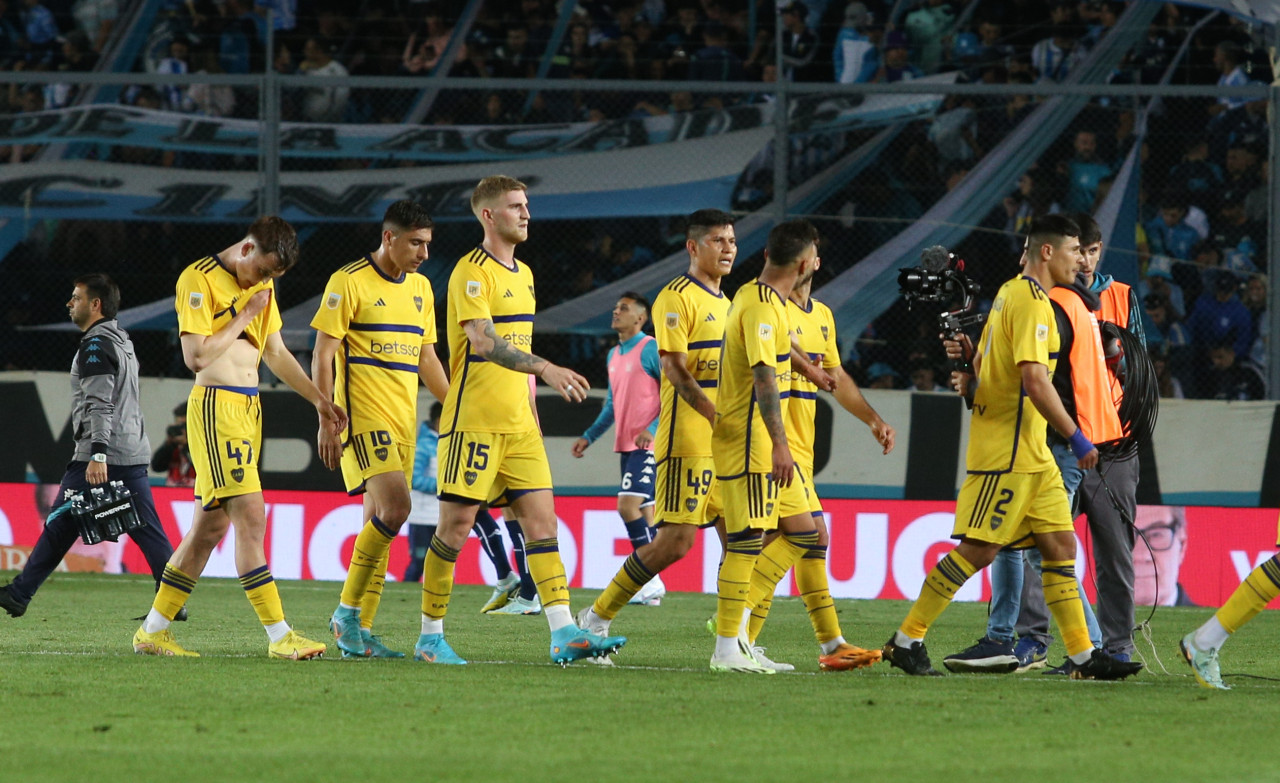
670,179
125,125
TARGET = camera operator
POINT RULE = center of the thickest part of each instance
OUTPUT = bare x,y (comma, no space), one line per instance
110,444
173,458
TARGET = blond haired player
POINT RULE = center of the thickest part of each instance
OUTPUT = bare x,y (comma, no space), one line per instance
489,438
381,313
229,322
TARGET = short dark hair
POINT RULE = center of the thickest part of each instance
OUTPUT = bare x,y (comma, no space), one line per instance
788,240
1052,229
637,298
273,234
101,287
180,409
700,223
406,215
1090,231
433,413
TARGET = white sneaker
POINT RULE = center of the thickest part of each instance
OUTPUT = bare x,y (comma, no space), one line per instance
651,594
520,606
738,661
763,660
591,622
503,592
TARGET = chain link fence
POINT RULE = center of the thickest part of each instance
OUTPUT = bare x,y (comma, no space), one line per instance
138,174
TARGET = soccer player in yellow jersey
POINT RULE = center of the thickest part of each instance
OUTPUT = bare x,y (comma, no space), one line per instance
489,438
813,329
749,444
688,321
229,322
381,313
1014,494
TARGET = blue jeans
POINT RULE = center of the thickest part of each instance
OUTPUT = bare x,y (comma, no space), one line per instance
1007,572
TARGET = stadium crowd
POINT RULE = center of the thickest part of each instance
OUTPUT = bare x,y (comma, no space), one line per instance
1201,238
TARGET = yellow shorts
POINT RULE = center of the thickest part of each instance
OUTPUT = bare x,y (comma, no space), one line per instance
477,466
798,498
224,434
369,453
752,500
687,492
1006,508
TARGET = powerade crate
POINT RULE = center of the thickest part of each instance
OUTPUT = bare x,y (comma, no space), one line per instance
104,513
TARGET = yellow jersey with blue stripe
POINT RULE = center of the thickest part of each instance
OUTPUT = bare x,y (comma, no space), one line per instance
757,334
383,323
207,299
1006,432
688,318
483,396
814,328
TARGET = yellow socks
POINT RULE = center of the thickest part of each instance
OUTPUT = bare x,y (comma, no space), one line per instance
771,566
175,589
1251,597
625,584
260,588
734,583
373,593
1062,595
811,579
437,578
547,570
940,586
371,547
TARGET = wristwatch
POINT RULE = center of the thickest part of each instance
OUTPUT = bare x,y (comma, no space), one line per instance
99,457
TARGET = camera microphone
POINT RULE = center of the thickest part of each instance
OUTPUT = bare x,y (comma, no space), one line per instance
935,259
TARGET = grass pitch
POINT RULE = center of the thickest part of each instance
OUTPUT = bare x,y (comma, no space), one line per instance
79,706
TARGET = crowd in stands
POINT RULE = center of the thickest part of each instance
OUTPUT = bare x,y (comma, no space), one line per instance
1202,234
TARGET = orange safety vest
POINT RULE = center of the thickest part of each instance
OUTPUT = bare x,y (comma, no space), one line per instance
1115,304
1115,308
1091,382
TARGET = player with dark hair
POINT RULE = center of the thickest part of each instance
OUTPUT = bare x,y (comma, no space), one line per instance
761,487
813,327
1013,494
381,313
689,318
635,374
110,444
229,322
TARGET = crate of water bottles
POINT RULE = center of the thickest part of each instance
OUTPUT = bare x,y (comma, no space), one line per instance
104,513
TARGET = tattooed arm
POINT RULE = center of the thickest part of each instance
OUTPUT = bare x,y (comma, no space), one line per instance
489,345
770,405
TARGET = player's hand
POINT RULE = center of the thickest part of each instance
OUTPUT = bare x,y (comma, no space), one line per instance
825,380
960,349
1088,461
329,444
571,386
960,382
332,416
644,440
784,467
884,434
257,303
580,447
96,473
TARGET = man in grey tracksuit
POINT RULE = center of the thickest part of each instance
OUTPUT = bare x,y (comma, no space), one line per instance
110,443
